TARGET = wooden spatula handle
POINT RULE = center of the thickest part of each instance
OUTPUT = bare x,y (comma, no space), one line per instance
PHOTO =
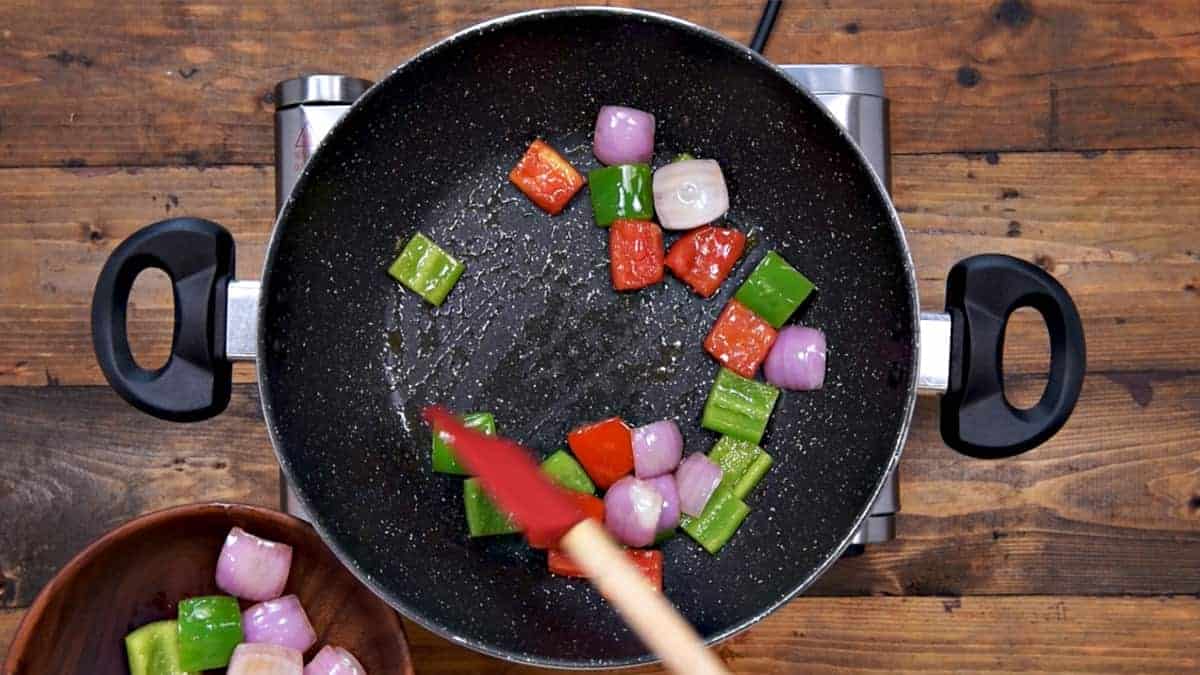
646,610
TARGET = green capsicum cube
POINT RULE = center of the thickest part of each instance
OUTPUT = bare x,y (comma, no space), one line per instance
721,518
743,464
563,469
484,519
739,407
774,290
622,191
444,460
427,270
153,649
683,157
209,628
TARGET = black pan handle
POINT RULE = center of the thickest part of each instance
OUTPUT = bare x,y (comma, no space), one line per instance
196,381
981,294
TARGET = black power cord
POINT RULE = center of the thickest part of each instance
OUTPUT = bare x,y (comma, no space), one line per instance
765,23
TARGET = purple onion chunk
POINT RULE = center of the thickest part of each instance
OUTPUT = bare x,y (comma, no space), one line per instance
697,478
623,136
253,568
669,518
631,510
280,622
797,359
333,660
657,448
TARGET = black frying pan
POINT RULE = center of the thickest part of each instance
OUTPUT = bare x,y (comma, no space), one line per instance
534,332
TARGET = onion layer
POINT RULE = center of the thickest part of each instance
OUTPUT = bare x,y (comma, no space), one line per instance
689,194
334,661
797,360
279,622
631,510
623,136
665,484
264,659
657,448
253,568
697,478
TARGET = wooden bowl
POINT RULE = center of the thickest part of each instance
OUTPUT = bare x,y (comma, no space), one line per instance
138,573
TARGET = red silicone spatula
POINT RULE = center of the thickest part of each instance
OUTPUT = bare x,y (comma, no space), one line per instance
548,518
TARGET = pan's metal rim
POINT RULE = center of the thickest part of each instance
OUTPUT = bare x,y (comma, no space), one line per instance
268,411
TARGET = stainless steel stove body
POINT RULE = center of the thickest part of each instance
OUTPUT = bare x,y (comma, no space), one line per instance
307,108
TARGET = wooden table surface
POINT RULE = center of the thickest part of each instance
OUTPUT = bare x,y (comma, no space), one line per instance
1066,133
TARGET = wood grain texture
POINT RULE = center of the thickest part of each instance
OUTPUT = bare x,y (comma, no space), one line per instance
76,462
1051,634
189,83
1121,239
1109,506
931,635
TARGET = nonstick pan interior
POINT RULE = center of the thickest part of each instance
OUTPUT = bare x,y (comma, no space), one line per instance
534,333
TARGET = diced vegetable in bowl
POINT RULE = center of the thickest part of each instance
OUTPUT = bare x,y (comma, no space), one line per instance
280,622
265,659
153,649
333,660
209,628
212,632
253,568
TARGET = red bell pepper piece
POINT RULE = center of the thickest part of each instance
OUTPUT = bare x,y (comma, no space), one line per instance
740,339
590,506
648,562
704,257
605,449
546,177
635,252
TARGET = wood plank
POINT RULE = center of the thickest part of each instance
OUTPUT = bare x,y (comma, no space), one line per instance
75,462
1049,634
1109,506
1118,234
189,83
944,635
